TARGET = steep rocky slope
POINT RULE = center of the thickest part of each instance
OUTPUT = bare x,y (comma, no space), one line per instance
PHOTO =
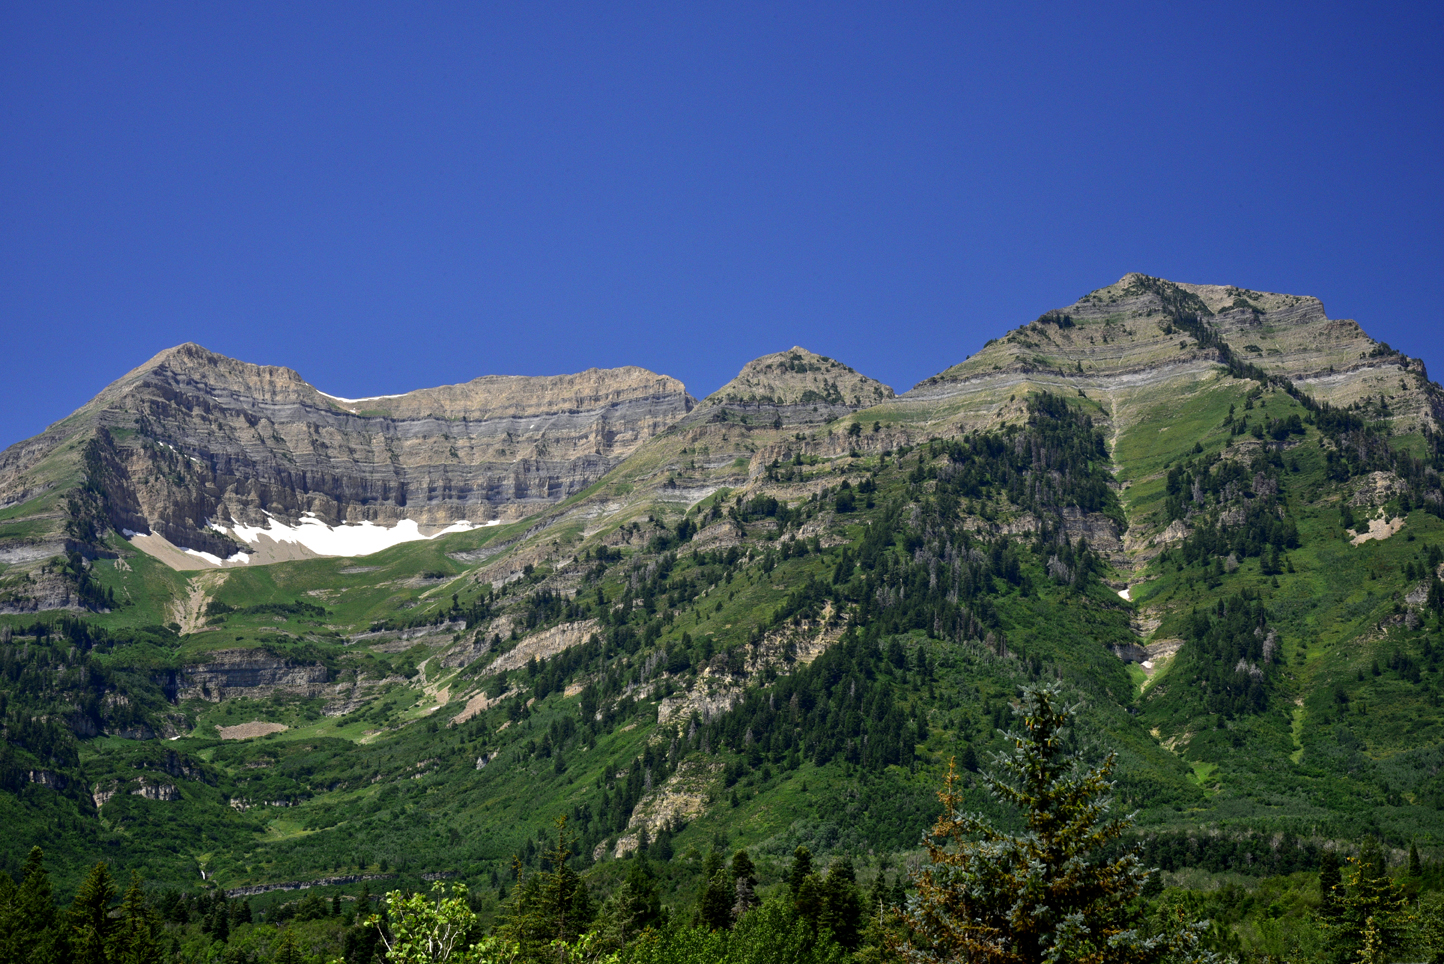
193,438
1130,341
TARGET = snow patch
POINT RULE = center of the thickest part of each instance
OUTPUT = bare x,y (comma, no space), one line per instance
1126,594
353,401
244,558
350,539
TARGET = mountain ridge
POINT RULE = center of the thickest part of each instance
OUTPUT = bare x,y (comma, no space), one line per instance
498,469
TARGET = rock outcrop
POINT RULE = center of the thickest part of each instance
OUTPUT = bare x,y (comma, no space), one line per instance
248,674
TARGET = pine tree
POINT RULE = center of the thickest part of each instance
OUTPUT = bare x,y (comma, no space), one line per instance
89,917
1051,893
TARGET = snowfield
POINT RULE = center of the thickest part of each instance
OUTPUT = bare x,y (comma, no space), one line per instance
358,539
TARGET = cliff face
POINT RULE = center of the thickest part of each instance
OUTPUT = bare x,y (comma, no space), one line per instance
192,437
248,674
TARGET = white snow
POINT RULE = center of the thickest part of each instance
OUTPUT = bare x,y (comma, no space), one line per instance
1125,594
241,557
353,401
354,539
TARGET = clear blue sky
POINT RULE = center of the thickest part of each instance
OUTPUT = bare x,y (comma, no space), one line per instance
386,197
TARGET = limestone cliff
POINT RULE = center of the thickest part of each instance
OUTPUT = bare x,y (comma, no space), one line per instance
192,437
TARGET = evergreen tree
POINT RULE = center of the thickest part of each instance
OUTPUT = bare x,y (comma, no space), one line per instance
842,906
744,877
633,907
808,900
879,898
714,903
30,929
1371,914
136,933
1058,892
288,951
801,867
89,917
553,905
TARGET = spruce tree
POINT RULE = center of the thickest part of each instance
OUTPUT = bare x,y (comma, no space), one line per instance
842,904
643,897
552,905
714,903
288,951
744,877
801,867
89,917
809,900
34,933
1372,913
1060,891
632,908
135,940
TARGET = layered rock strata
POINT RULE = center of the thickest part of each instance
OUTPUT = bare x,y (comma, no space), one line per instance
192,437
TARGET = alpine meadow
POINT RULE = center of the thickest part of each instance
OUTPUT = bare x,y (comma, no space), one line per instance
1119,640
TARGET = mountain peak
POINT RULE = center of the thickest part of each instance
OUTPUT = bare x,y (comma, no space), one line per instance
799,377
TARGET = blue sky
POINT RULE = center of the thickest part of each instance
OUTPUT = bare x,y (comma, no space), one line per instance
386,197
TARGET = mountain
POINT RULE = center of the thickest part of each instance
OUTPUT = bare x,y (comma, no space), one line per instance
192,446
768,618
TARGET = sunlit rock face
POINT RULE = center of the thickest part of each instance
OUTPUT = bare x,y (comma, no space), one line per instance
193,444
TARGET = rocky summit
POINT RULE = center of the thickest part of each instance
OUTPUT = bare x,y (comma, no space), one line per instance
259,640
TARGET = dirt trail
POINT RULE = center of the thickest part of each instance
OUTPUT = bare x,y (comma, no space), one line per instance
190,612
